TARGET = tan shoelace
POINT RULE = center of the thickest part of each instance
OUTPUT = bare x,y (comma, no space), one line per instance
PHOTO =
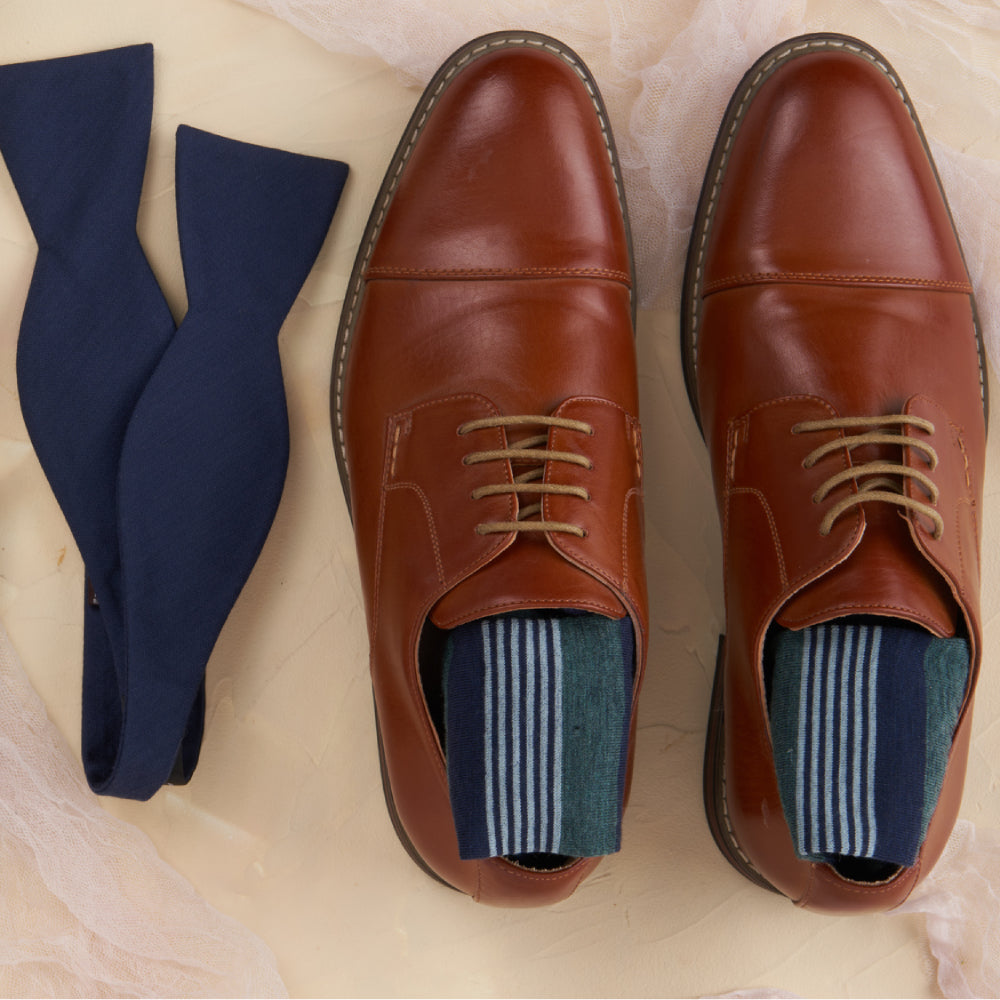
528,451
877,480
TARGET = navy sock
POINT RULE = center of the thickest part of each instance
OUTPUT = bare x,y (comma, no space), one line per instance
862,717
537,710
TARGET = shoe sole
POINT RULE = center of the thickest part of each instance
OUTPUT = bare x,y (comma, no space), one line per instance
714,781
355,288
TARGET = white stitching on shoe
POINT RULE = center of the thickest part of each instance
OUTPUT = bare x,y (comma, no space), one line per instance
765,71
358,284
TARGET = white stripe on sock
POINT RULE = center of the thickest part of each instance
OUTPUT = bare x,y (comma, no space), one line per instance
817,693
829,736
557,725
872,736
544,782
843,792
517,818
530,667
857,735
502,778
805,676
488,747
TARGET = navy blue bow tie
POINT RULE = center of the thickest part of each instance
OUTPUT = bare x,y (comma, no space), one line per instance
166,448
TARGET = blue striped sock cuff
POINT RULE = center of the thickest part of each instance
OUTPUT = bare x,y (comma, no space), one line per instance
862,715
537,722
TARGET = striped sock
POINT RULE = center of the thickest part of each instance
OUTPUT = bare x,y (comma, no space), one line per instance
537,721
862,716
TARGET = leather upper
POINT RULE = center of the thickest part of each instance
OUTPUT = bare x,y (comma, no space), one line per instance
498,282
833,286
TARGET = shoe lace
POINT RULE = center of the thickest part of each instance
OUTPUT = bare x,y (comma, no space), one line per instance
528,455
878,480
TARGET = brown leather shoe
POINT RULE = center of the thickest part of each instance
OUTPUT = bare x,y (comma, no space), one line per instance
826,302
494,282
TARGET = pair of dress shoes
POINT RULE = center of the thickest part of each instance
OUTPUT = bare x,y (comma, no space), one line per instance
485,414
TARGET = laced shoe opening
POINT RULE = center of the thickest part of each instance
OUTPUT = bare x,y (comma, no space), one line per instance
882,479
529,458
864,870
540,862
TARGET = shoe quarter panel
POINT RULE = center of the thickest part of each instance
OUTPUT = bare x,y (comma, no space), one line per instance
612,518
958,475
772,541
772,548
428,542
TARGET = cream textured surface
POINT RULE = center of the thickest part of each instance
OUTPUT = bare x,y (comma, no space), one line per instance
283,826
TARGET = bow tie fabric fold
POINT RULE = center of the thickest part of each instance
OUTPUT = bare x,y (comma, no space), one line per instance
166,447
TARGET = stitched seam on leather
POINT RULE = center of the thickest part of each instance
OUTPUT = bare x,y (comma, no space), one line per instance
840,552
891,886
763,73
637,448
726,511
359,281
823,278
737,430
473,273
637,493
511,870
969,499
428,513
963,501
974,514
576,556
600,400
965,458
801,397
909,612
377,586
457,397
501,544
388,470
752,491
395,449
486,609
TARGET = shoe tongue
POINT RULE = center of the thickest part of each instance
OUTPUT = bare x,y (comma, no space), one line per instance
526,575
885,574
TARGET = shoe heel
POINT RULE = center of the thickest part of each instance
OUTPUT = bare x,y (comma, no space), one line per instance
714,781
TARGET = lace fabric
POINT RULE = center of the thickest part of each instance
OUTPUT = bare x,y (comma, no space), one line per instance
960,899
